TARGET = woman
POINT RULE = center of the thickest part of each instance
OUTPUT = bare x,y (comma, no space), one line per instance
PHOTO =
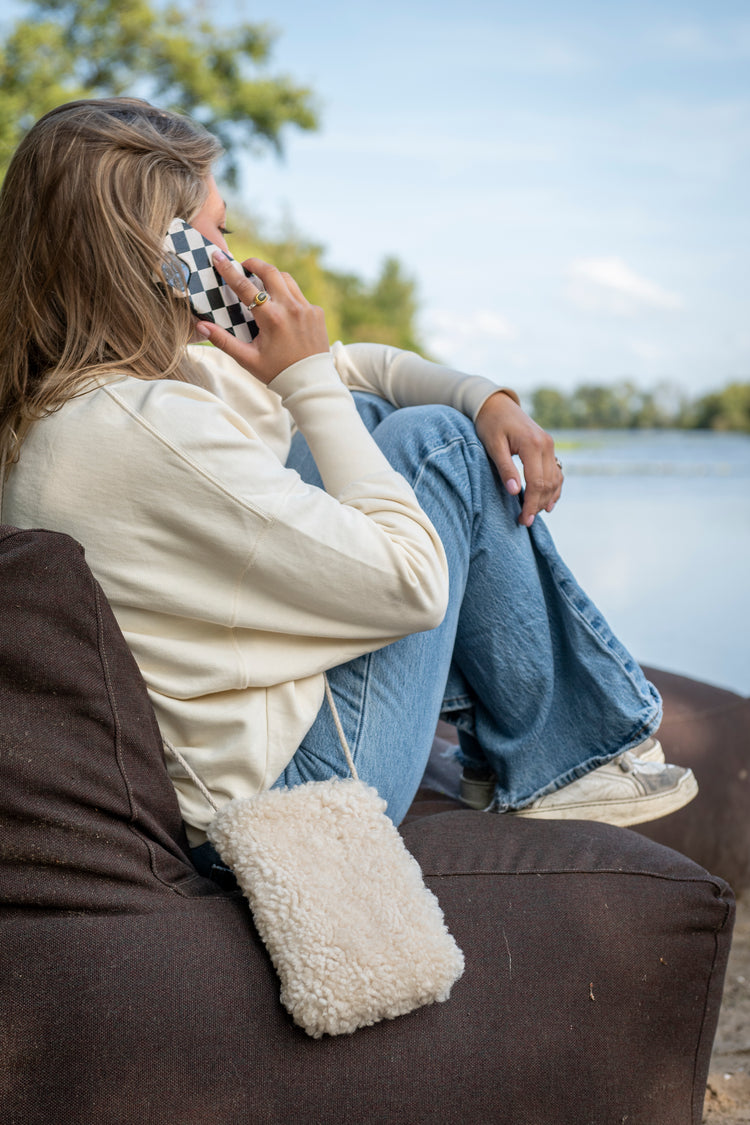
388,542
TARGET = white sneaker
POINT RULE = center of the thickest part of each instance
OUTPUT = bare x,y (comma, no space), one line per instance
478,790
625,791
649,751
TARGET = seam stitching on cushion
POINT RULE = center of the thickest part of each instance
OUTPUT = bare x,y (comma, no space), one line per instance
711,880
111,698
118,737
693,1106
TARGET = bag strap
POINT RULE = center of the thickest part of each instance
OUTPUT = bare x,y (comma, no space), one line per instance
190,772
340,729
199,784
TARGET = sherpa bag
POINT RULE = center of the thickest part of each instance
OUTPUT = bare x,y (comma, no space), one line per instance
353,932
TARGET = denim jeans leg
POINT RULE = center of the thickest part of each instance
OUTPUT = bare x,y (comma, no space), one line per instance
523,662
209,863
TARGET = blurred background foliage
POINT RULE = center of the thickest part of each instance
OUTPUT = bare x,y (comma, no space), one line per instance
174,56
624,406
383,311
168,54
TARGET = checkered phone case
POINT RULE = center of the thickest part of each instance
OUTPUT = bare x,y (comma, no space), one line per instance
209,295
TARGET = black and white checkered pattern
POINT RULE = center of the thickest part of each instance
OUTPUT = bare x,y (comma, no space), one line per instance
210,296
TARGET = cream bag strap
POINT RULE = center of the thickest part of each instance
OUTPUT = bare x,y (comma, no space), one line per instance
194,776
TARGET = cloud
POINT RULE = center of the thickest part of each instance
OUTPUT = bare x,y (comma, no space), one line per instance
609,285
446,324
468,340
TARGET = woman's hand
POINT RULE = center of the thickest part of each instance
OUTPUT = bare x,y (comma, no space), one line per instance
504,430
290,328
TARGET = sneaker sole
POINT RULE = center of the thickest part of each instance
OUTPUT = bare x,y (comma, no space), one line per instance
622,814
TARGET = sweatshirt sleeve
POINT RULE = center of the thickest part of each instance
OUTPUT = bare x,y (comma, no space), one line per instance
406,379
229,532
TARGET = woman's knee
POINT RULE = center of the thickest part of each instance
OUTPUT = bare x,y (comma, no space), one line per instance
429,429
419,440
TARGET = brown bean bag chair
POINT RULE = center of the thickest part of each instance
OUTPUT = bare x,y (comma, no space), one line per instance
704,727
135,992
708,729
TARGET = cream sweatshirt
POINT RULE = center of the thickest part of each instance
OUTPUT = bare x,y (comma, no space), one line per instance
235,583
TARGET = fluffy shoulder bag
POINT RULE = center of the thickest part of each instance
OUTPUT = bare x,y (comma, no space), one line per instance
353,932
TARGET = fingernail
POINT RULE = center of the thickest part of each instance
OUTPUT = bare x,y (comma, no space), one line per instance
224,259
202,330
513,487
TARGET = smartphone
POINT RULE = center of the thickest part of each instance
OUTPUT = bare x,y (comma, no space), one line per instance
190,270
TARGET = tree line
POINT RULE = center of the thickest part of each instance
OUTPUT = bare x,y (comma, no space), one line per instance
624,406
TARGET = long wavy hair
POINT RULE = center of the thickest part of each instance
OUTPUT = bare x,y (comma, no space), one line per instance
84,209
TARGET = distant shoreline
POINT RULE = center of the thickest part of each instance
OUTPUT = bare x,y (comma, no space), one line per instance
623,406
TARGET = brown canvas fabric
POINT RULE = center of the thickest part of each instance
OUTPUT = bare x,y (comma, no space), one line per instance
708,729
589,996
134,992
88,817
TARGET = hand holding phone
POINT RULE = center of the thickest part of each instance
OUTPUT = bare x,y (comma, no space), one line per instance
192,272
293,329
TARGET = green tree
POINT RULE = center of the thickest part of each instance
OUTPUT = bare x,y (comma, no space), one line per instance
382,311
606,407
660,408
625,406
551,408
728,409
68,49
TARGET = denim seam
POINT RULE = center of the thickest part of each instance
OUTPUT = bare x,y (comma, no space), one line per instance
462,440
457,703
573,598
648,722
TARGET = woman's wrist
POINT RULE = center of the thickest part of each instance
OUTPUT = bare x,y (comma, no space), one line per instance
304,373
511,394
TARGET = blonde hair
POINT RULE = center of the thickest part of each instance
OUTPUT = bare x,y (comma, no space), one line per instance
84,209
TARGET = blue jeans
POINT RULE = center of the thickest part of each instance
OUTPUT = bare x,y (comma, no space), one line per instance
523,663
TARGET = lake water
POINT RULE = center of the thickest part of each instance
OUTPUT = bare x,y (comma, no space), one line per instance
655,526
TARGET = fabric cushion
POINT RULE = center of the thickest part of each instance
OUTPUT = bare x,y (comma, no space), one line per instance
88,818
708,729
135,992
594,958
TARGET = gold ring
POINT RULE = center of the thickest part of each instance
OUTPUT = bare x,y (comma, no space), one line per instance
260,298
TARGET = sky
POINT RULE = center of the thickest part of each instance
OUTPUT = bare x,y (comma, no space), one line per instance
567,183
